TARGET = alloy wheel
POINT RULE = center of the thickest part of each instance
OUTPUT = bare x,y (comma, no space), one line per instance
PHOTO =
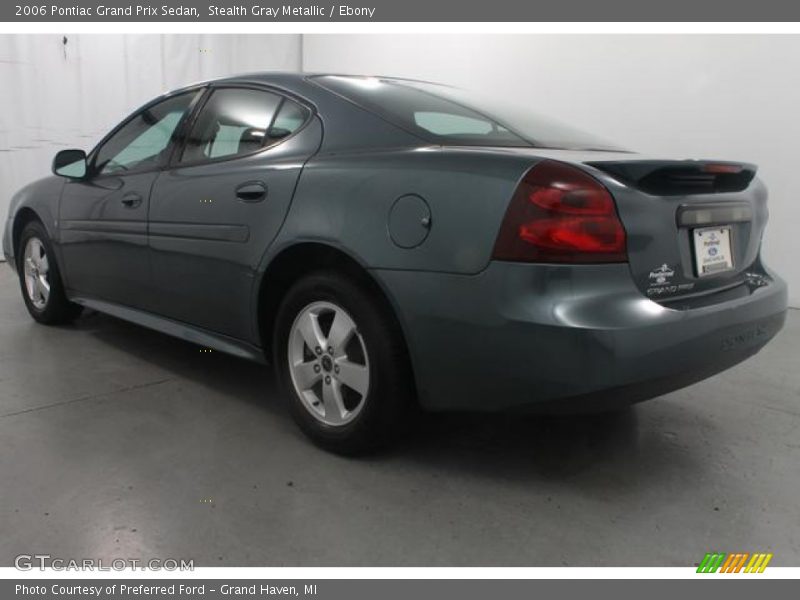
328,363
36,271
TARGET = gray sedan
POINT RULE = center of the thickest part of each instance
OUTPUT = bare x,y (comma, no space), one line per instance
390,244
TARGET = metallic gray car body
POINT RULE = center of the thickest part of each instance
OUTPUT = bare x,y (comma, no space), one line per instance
481,334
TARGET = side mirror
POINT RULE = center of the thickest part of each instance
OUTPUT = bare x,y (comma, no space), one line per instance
70,163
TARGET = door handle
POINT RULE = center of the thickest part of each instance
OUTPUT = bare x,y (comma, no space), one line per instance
251,191
131,200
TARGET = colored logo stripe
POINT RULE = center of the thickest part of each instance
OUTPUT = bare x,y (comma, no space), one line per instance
758,563
734,562
711,562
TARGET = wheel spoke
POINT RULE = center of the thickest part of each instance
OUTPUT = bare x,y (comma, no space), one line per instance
305,375
342,329
37,296
311,332
44,265
43,287
335,411
30,285
353,375
36,251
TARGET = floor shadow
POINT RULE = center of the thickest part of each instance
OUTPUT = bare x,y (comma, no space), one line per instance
604,450
239,379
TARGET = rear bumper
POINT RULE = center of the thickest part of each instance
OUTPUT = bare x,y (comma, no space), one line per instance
565,338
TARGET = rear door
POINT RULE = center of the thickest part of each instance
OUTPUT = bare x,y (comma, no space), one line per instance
103,217
215,210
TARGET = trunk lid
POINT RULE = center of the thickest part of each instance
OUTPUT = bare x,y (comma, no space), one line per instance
683,218
661,202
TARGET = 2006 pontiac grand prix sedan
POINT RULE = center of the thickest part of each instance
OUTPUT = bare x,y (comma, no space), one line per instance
390,244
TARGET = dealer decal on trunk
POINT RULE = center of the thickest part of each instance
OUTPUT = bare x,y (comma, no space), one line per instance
660,279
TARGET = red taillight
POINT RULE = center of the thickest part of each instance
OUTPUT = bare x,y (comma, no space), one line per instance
561,214
722,168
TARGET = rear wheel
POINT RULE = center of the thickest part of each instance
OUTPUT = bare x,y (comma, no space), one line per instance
40,278
341,359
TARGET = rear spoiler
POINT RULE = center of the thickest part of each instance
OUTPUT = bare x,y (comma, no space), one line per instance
680,177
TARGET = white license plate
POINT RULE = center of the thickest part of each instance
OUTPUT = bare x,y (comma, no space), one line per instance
712,250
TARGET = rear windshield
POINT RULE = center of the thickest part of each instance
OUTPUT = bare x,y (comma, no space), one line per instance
451,116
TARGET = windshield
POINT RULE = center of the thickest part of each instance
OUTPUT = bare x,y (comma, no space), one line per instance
451,116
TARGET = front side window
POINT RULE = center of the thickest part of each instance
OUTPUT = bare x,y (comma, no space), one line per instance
237,121
142,142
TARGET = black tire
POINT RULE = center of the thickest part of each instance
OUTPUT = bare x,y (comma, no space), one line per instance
389,401
57,309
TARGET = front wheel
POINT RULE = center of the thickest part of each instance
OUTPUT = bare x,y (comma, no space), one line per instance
40,278
341,359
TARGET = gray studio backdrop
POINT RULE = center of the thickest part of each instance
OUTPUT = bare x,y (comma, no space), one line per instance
687,96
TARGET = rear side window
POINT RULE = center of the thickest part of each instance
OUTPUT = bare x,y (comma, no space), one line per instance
238,121
440,123
289,119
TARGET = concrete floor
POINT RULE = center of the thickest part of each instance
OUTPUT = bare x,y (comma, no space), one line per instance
116,441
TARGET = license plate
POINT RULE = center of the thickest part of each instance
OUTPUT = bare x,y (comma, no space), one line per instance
712,250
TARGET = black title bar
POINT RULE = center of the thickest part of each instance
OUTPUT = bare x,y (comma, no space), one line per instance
400,10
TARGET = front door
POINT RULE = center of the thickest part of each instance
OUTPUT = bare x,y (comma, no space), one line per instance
103,217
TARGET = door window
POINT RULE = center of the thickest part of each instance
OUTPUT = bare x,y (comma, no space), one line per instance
289,119
143,141
237,121
234,121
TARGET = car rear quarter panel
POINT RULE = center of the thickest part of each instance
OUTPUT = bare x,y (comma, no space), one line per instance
345,200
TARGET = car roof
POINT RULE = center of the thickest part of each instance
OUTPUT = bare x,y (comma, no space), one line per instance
292,81
272,76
